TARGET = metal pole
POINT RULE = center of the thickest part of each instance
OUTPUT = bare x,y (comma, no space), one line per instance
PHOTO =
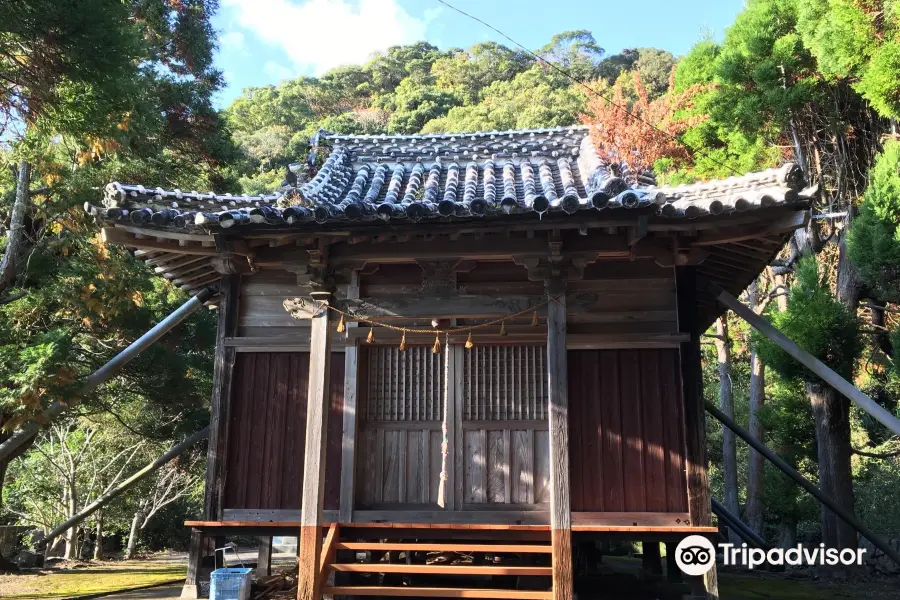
748,535
807,485
812,363
174,451
106,372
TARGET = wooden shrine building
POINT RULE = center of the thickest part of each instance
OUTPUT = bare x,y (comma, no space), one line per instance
482,342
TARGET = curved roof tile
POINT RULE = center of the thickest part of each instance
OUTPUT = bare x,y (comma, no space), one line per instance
425,176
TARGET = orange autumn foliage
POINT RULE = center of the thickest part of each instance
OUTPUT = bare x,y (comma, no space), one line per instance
645,132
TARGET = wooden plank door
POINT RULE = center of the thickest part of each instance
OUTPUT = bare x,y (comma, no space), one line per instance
505,442
401,404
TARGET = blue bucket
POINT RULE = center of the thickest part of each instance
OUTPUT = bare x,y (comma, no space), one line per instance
230,584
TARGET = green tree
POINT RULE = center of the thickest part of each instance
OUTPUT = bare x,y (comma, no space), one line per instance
467,72
534,98
858,41
874,239
73,303
822,325
412,105
575,51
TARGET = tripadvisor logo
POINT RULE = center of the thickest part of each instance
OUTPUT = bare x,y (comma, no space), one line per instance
695,555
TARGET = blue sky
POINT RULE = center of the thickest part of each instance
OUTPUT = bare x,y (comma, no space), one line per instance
265,41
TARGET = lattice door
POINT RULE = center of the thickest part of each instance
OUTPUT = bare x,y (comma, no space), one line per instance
505,438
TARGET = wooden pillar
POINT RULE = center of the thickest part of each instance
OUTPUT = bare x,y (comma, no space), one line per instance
264,557
227,308
318,397
651,559
348,441
695,419
558,389
673,573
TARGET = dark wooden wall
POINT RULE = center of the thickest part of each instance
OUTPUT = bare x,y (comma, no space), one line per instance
267,431
626,431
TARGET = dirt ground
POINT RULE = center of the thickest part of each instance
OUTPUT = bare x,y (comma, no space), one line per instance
115,576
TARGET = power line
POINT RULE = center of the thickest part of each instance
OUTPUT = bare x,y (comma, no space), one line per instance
571,77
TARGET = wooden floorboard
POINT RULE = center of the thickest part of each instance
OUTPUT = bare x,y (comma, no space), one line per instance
418,592
388,546
579,525
442,569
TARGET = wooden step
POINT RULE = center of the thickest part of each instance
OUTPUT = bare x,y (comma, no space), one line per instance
442,569
463,548
419,592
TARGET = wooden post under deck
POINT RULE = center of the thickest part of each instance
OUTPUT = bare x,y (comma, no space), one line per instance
229,292
694,419
310,541
558,387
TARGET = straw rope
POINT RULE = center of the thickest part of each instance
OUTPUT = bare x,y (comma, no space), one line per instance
449,330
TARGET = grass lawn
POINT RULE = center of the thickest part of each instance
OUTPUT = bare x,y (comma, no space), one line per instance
733,586
90,579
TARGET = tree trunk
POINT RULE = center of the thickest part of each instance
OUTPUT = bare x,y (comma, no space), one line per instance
756,482
787,531
831,412
98,541
15,241
136,523
729,443
72,536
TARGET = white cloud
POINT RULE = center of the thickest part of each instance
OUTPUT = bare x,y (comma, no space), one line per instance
318,35
277,71
232,39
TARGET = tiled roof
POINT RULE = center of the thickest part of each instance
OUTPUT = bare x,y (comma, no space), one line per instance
452,176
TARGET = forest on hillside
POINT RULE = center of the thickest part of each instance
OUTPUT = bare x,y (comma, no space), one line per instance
814,82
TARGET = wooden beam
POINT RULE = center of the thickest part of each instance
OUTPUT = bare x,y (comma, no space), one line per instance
694,419
115,235
847,389
328,553
416,592
441,569
348,441
264,557
220,404
461,306
449,547
167,235
558,388
785,224
171,261
318,397
495,248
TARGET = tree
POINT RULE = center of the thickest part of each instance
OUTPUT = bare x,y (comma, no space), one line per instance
467,73
655,68
577,52
822,325
70,466
756,470
611,67
645,134
873,242
726,400
171,483
858,41
534,98
412,105
72,302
